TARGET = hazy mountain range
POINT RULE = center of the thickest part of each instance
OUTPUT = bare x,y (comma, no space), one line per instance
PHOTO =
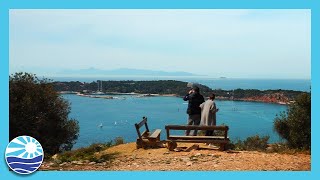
123,72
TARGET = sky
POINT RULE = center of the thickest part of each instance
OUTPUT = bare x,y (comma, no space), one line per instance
230,43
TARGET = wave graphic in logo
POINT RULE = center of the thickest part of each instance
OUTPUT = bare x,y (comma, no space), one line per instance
24,154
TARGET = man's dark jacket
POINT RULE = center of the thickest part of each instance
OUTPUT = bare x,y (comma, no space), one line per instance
195,99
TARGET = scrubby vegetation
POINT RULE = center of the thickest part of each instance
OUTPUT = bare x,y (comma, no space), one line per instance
87,153
244,93
253,143
118,140
91,153
295,124
37,110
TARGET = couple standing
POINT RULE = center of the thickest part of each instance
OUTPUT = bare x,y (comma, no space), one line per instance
200,111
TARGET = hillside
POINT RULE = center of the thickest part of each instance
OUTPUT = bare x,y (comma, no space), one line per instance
143,87
178,88
128,158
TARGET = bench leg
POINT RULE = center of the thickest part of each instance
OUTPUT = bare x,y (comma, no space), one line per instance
139,144
152,143
222,147
171,145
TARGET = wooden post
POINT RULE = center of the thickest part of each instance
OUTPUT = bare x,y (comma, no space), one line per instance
137,128
168,132
147,128
226,133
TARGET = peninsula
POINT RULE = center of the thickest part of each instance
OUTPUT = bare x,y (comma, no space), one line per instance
175,88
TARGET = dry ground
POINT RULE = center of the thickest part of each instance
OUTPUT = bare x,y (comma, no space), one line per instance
203,159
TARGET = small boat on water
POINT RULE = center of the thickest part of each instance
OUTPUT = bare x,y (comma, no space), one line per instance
107,97
98,93
282,103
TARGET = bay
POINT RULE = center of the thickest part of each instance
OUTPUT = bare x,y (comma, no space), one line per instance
118,116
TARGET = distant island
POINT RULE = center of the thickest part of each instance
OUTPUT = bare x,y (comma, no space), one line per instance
124,72
175,88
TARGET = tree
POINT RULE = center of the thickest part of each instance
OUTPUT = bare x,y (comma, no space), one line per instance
295,124
37,110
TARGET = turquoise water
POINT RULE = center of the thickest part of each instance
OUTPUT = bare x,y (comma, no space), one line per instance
118,117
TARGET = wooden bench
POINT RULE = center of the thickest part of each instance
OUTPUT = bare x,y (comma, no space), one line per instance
172,139
147,139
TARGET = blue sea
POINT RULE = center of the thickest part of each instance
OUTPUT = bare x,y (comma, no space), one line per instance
118,116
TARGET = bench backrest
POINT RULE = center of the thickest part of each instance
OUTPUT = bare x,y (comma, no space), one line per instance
139,125
194,127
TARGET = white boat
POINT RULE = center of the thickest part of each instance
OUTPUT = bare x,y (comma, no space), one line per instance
97,93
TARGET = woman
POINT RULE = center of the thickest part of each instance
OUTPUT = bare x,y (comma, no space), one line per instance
208,114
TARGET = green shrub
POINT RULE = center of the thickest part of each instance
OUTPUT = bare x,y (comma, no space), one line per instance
37,110
253,143
256,143
118,140
230,146
295,124
87,153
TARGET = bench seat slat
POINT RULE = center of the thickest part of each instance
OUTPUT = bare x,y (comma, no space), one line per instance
155,134
145,134
204,141
172,139
197,137
194,127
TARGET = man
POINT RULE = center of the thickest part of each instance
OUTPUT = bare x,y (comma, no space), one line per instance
194,111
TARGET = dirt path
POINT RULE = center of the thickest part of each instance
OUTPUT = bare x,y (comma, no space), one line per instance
203,159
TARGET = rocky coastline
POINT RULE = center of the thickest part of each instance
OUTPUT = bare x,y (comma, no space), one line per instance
273,98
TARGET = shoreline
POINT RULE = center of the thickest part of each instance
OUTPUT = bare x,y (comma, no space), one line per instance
255,100
139,95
